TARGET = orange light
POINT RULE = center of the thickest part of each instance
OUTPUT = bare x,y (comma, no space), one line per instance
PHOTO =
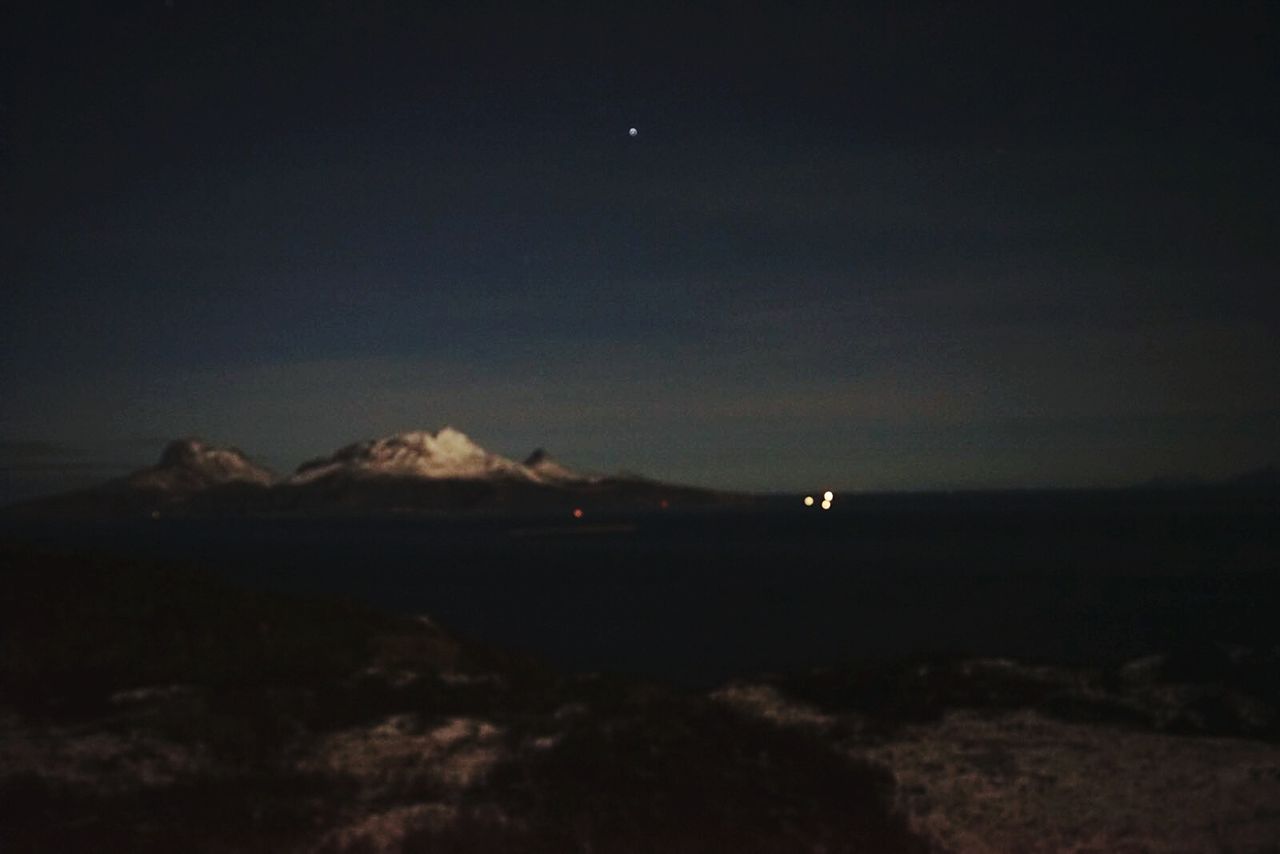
577,512
664,504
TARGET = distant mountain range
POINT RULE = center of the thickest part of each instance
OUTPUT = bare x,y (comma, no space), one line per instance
408,472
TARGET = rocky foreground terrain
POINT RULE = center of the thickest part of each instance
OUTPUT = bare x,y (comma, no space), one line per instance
153,708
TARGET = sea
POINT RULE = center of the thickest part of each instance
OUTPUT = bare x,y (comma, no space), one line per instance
701,597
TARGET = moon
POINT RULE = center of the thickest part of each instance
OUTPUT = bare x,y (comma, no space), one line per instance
632,132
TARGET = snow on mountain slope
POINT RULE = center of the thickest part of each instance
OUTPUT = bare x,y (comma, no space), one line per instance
548,469
447,454
191,464
415,471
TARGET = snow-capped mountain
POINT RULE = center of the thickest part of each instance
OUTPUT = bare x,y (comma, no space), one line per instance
548,469
445,455
191,464
414,472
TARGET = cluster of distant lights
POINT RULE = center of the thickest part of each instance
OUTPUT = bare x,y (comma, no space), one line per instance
827,498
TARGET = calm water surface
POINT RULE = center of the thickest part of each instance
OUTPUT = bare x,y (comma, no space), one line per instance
699,597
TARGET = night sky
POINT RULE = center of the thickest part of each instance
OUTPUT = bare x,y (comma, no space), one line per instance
876,246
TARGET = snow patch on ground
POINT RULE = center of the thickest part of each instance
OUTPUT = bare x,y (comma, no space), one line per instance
401,750
454,677
767,703
986,782
393,677
384,832
150,694
544,742
569,711
1023,782
103,762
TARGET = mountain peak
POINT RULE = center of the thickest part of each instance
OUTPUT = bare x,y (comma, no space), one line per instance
192,463
188,451
446,454
548,469
414,470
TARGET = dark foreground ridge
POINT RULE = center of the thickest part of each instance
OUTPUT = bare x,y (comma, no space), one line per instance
152,708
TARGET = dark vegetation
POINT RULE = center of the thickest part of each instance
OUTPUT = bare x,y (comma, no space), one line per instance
249,685
1210,690
667,773
252,681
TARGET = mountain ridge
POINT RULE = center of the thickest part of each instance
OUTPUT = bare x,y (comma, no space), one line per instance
414,471
191,463
448,453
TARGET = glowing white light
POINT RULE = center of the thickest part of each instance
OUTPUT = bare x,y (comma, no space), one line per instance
808,501
826,505
828,496
632,132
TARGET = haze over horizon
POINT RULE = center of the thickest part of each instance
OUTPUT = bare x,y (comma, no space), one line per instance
870,247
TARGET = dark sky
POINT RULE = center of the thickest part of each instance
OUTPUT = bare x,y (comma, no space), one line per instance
879,246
